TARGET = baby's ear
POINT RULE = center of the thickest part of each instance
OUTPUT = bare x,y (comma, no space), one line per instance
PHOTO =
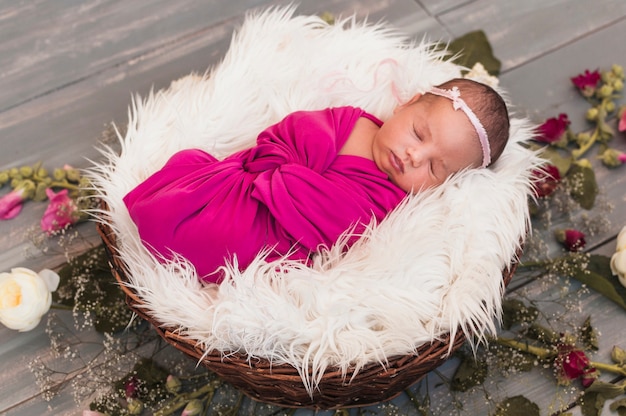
408,103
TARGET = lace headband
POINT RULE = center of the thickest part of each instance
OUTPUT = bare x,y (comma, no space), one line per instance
457,103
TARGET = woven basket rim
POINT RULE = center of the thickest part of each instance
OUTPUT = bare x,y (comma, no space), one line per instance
281,384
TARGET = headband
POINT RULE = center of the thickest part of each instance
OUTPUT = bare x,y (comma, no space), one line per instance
457,103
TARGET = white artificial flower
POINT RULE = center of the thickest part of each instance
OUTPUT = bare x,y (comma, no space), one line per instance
480,74
25,296
618,260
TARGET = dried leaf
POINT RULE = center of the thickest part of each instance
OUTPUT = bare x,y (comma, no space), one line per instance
474,47
585,187
469,373
588,335
619,406
516,406
516,312
591,403
598,277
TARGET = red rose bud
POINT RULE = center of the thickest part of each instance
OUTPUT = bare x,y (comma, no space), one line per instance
587,82
546,180
572,240
589,377
553,129
131,387
570,363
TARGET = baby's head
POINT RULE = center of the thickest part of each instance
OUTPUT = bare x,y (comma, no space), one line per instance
457,125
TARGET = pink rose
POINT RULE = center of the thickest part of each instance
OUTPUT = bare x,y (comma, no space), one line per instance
60,213
11,204
546,180
553,129
587,82
573,240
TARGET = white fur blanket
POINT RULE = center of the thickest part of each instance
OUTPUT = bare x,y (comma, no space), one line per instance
433,266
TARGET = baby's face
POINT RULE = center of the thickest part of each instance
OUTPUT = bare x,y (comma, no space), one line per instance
425,142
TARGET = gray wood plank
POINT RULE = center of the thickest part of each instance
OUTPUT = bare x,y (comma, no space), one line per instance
523,31
47,46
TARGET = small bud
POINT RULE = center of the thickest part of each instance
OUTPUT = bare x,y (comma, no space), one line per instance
40,192
135,406
605,91
592,114
609,107
582,138
28,187
618,355
193,408
172,384
26,172
72,175
42,173
4,177
612,158
618,70
14,172
58,174
618,85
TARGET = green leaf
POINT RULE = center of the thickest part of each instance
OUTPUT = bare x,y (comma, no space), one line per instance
516,312
608,390
598,277
591,403
469,373
554,157
588,335
87,284
619,406
474,47
584,187
516,406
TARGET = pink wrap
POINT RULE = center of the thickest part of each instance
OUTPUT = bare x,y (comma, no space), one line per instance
292,191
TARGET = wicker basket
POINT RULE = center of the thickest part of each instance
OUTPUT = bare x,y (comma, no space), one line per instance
281,384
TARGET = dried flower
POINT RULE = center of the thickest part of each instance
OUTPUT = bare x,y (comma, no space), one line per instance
135,406
572,240
546,180
570,363
25,297
553,130
60,213
11,204
618,260
131,387
587,82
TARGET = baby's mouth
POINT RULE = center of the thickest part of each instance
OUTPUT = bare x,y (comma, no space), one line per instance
397,163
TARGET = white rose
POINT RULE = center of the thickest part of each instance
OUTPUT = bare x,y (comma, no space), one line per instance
618,260
479,73
25,296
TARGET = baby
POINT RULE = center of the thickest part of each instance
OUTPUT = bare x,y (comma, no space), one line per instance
313,176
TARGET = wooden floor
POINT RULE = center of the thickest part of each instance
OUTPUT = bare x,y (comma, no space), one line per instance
68,68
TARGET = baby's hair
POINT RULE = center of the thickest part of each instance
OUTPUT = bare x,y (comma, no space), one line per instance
489,107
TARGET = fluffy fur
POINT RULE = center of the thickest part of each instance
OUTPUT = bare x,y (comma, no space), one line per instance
433,266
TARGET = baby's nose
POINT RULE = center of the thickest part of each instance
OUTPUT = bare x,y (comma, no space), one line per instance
415,156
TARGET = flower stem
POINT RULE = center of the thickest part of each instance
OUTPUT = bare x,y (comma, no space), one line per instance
542,353
577,153
613,368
